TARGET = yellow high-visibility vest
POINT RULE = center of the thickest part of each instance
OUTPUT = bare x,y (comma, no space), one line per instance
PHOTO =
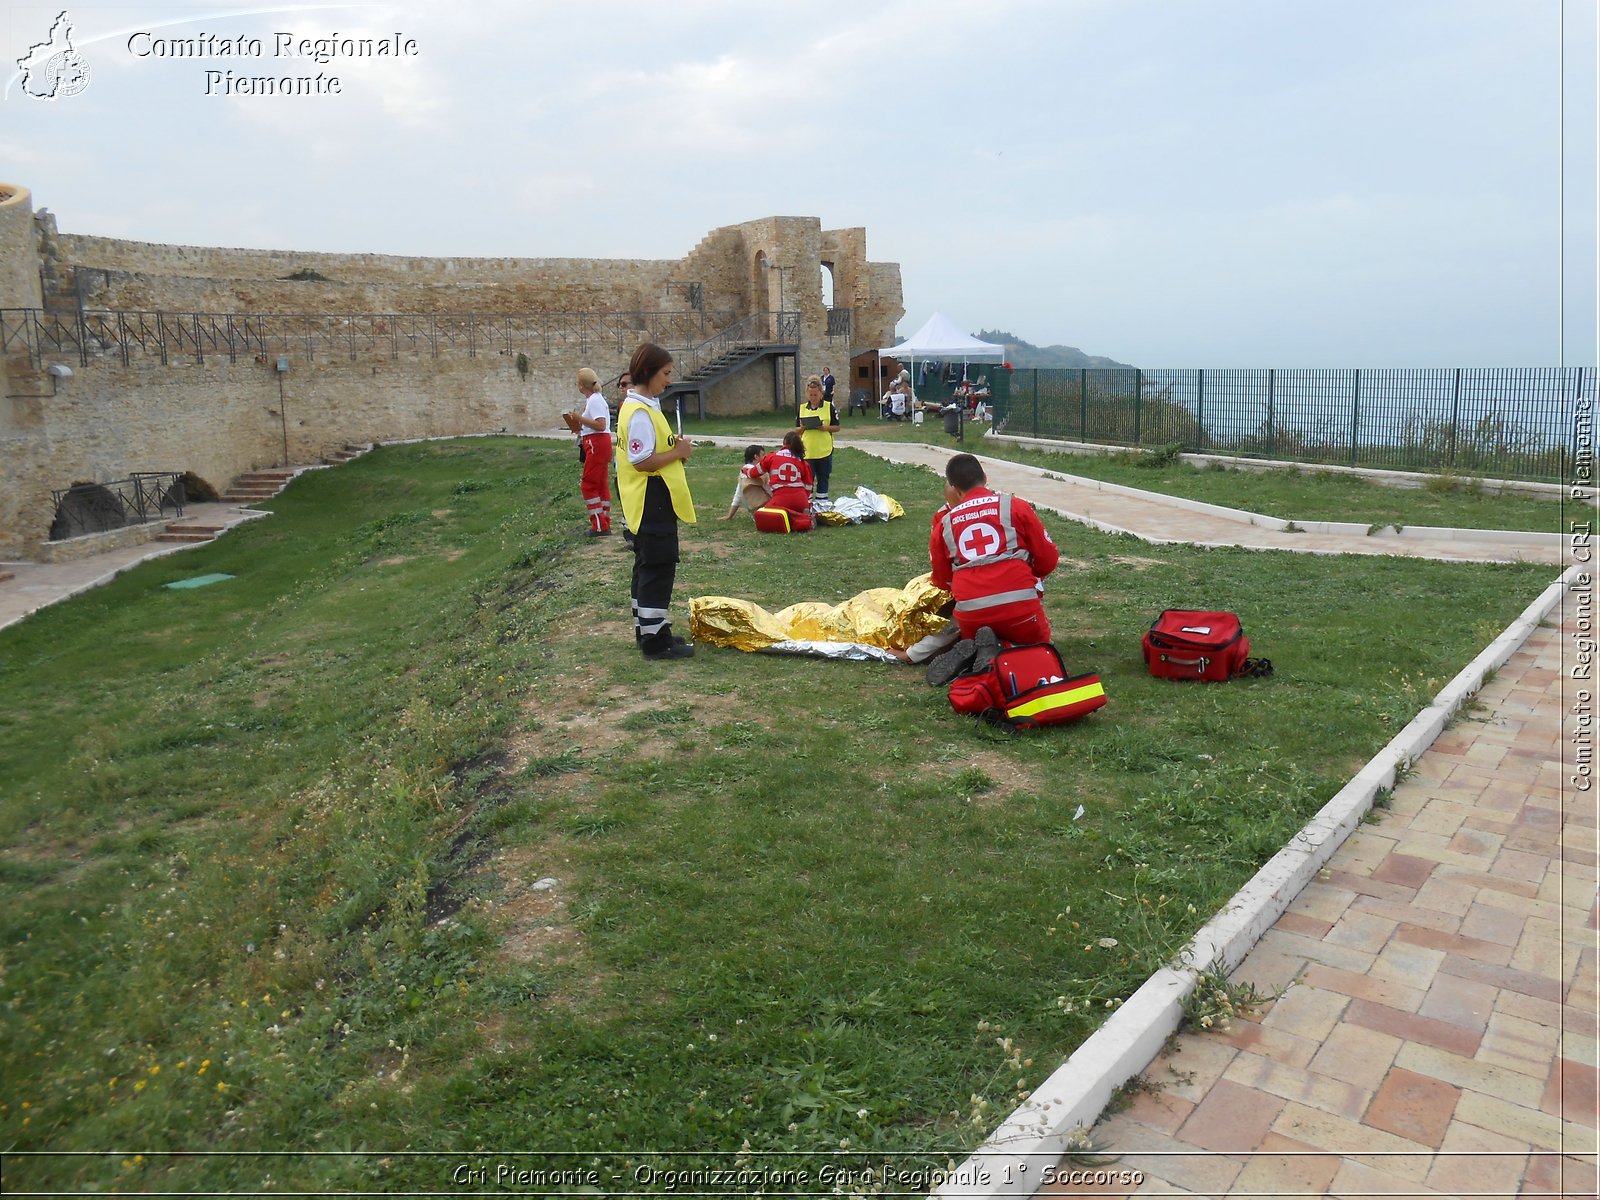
631,480
818,442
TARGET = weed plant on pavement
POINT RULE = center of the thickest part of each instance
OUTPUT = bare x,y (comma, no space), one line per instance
393,842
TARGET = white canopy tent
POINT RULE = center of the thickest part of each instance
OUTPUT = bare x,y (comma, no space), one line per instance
941,339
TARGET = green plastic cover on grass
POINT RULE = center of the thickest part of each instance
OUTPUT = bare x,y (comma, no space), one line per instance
195,581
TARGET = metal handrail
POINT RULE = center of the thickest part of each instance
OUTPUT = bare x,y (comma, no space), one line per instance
143,497
754,329
197,336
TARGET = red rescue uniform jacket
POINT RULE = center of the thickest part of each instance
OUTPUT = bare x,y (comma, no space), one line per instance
990,551
789,478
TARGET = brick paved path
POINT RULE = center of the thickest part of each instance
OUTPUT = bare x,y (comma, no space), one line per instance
1159,519
1441,1039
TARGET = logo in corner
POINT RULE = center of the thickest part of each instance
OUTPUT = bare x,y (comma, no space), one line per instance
53,69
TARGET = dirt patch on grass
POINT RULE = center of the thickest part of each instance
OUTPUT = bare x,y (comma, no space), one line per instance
533,922
618,630
1136,561
1008,776
531,914
579,706
577,714
272,683
721,550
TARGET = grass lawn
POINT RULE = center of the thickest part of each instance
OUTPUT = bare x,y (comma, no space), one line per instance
1311,494
393,843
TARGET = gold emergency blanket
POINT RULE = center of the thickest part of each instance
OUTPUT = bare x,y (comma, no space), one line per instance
880,617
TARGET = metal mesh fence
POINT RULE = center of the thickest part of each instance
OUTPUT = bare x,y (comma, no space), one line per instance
1520,423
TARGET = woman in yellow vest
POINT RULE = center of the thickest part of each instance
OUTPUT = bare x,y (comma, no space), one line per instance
655,497
818,421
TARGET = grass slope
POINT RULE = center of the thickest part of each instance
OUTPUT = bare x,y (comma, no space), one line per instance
393,844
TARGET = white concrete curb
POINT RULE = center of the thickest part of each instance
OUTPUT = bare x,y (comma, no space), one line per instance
1261,520
1035,1136
1389,478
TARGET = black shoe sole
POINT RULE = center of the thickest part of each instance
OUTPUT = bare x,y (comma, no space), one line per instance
988,646
672,653
953,662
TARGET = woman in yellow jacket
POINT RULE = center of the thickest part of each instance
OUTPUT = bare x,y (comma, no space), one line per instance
655,497
817,421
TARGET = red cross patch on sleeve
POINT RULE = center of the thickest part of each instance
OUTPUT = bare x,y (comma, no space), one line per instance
635,445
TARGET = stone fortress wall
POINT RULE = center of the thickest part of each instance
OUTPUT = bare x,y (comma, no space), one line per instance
225,415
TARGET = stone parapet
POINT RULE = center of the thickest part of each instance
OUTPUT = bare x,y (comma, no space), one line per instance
220,417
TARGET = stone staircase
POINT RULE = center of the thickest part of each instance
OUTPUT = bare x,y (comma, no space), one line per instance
735,358
347,452
255,486
250,488
177,531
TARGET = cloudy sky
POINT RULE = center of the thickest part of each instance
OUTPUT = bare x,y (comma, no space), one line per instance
1172,183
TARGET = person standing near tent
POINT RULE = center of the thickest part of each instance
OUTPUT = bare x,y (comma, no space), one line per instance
655,497
941,340
991,552
817,422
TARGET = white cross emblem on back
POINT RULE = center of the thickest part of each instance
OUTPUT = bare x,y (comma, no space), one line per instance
978,540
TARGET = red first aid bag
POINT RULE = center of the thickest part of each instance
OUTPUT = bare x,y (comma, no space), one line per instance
782,520
1185,643
1036,690
1028,687
975,694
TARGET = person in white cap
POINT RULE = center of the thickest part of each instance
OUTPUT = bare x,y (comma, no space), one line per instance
593,426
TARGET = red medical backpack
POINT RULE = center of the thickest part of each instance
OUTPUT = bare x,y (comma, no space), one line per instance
1185,643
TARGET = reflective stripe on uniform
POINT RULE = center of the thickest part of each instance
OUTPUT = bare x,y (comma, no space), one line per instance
650,620
989,559
979,602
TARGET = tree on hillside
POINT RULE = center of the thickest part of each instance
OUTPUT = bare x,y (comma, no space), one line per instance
1022,353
